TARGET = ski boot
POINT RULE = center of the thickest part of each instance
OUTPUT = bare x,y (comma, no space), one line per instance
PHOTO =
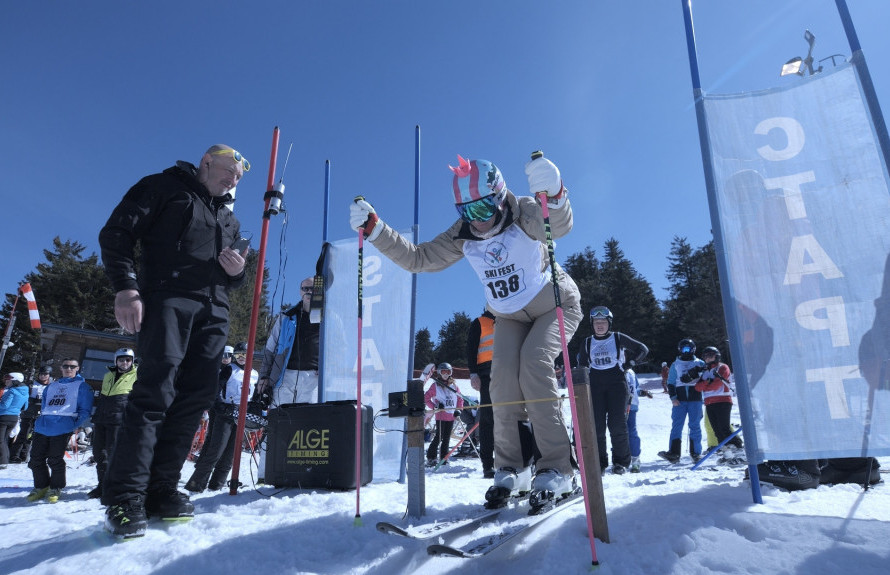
126,520
694,451
548,486
635,464
673,454
507,483
168,504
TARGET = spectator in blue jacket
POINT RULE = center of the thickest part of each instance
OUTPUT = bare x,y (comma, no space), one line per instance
14,400
66,405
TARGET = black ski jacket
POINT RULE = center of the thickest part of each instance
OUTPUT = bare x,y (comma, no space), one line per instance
182,230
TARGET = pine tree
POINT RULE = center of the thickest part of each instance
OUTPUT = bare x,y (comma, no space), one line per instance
71,290
453,340
423,349
614,283
241,305
695,308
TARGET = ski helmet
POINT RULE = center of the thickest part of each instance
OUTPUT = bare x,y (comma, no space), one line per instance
686,347
228,351
479,189
711,349
601,312
124,352
45,370
664,364
444,366
240,347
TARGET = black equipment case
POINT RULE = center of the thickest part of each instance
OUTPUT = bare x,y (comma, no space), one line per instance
313,445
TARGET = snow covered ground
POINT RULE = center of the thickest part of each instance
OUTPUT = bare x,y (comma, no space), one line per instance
667,519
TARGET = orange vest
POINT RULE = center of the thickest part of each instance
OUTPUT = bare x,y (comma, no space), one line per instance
486,340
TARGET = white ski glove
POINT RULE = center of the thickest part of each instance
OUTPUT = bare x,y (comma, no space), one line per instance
543,176
363,217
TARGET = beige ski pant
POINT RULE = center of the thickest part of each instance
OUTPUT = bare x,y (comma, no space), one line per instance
526,343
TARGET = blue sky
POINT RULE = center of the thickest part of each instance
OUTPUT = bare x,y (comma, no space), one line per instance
99,94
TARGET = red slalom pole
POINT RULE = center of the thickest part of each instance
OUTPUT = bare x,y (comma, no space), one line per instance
254,312
545,213
358,385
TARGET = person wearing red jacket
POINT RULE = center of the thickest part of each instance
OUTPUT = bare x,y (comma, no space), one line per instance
716,390
443,396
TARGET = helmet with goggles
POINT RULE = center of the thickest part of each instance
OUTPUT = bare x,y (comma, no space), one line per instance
479,189
686,347
601,312
444,366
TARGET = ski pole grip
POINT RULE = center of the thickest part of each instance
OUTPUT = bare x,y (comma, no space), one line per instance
537,154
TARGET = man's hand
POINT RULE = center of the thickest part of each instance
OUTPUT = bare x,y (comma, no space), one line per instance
475,382
129,309
231,261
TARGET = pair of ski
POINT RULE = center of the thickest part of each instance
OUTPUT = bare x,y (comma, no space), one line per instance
480,546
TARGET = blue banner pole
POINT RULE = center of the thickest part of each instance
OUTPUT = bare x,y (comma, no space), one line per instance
868,88
411,343
324,240
726,291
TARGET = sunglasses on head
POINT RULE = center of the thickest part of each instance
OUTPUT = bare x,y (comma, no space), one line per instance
236,155
480,210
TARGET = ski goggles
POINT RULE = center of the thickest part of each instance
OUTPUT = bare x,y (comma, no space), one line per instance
480,210
600,311
236,155
446,373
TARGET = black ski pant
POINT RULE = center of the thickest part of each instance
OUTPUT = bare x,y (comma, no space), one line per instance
486,423
21,447
217,454
718,415
104,436
48,460
181,343
609,400
441,439
7,423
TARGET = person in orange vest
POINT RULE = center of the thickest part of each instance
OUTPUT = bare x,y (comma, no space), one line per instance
480,349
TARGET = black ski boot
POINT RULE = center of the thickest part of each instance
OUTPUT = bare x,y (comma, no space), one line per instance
95,492
672,455
695,456
168,504
127,519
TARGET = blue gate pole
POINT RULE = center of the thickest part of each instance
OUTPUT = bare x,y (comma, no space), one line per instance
725,287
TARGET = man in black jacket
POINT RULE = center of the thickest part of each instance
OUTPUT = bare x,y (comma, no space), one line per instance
178,305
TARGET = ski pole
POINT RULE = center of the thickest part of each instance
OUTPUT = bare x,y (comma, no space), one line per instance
358,386
545,213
